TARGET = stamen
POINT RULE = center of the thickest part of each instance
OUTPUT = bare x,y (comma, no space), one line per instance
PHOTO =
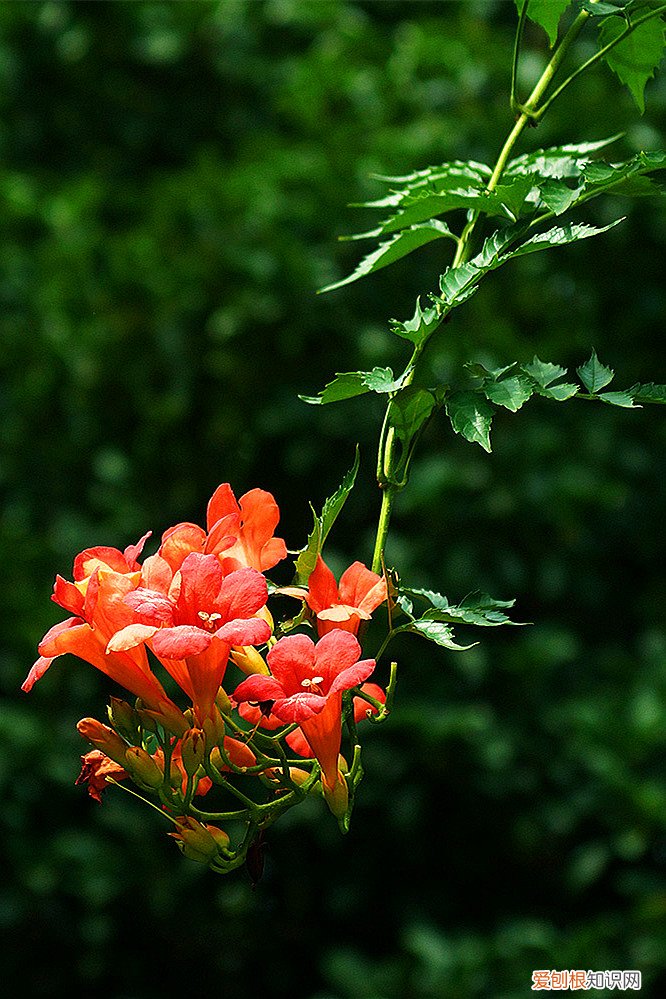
204,615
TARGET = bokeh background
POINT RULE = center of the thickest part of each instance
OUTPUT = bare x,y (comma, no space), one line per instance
173,177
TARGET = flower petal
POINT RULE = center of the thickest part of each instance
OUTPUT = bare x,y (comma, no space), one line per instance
130,637
291,660
360,587
334,653
177,643
150,604
201,581
299,707
179,541
221,504
37,672
132,552
244,631
241,595
353,676
90,559
259,688
323,590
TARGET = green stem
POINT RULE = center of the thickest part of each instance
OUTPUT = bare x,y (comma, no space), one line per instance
528,113
388,496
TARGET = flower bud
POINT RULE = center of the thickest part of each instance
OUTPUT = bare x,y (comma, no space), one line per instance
336,795
104,738
193,750
213,727
223,703
142,768
249,660
298,776
197,841
124,719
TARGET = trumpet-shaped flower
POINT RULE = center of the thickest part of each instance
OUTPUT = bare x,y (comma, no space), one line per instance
252,712
191,619
253,519
239,533
305,687
103,577
343,606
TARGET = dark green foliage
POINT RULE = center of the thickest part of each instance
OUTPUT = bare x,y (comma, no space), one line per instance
173,177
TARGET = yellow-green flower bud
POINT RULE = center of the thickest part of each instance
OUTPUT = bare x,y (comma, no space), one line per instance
143,768
193,750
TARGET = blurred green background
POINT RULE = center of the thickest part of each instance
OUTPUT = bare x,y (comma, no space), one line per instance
173,177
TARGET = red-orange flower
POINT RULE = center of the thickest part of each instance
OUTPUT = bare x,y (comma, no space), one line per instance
239,532
191,619
305,687
255,516
102,579
253,713
360,593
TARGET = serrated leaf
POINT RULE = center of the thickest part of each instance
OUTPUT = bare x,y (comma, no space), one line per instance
348,384
557,161
547,13
623,399
560,392
394,249
543,372
635,58
423,323
457,169
477,608
471,416
307,557
559,236
407,414
437,632
648,393
558,196
511,393
595,375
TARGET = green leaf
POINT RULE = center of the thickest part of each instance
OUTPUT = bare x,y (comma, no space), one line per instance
557,161
453,172
457,284
348,384
623,399
307,557
471,416
558,236
407,414
547,13
600,8
634,59
543,372
648,393
560,392
511,393
437,632
596,178
595,375
394,249
419,327
477,608
558,196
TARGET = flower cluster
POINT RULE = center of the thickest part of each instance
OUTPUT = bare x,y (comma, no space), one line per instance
184,625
